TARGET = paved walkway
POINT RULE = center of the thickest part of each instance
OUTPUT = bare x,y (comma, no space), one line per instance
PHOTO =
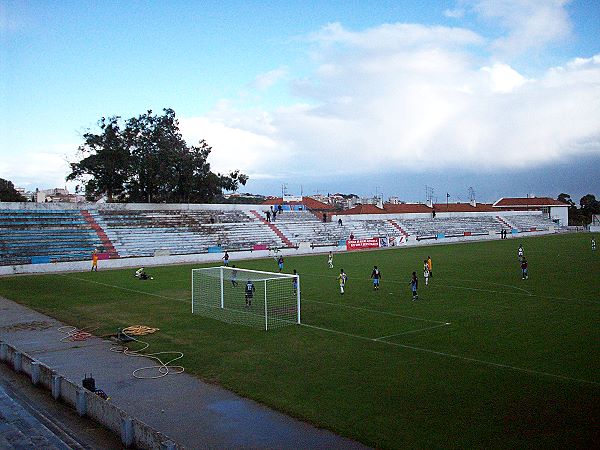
193,413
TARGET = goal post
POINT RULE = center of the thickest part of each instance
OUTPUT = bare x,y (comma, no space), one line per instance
263,300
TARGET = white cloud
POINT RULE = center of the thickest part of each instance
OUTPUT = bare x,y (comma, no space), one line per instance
503,78
381,100
531,24
39,167
456,13
266,80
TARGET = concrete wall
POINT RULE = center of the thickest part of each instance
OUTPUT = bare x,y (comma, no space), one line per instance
132,206
438,215
561,213
133,432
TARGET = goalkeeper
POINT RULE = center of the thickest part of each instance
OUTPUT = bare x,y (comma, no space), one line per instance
142,275
249,292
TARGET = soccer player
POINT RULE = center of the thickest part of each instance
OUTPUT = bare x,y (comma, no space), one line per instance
520,252
430,266
226,259
249,292
593,244
342,278
330,260
426,272
295,282
95,261
414,284
234,272
280,263
142,275
525,274
376,275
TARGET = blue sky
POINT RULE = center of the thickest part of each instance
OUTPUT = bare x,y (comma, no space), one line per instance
332,96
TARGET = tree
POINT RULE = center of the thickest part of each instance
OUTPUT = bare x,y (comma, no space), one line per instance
8,193
149,161
166,169
565,198
589,207
105,166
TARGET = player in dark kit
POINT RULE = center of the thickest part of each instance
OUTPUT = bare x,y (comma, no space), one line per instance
414,284
249,292
376,275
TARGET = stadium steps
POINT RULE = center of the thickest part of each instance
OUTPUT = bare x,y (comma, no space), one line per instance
273,228
398,227
504,222
106,242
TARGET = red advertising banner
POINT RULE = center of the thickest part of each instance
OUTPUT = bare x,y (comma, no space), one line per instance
359,244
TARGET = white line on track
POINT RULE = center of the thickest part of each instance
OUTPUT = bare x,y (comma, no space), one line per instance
459,357
373,311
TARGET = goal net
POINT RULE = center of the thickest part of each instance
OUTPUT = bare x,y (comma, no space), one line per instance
262,300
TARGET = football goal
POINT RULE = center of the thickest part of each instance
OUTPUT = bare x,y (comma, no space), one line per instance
262,300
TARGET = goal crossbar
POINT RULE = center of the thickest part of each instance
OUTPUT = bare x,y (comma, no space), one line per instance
255,298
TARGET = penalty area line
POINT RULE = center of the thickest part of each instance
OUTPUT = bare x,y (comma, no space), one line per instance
458,357
124,288
385,313
412,331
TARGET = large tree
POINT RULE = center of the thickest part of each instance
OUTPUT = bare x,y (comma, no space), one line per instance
106,161
583,215
159,165
589,207
8,193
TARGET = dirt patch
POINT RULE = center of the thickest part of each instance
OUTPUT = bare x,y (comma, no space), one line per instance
28,326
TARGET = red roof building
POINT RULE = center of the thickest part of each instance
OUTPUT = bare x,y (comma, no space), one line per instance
310,203
463,207
527,203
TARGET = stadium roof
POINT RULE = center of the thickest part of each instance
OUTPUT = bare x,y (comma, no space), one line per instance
309,202
528,202
363,209
463,207
406,208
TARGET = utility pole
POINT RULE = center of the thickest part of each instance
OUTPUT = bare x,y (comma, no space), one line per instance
429,195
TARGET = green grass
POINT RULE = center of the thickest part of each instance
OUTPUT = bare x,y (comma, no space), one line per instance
517,366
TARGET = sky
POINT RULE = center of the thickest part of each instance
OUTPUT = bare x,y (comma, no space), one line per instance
306,97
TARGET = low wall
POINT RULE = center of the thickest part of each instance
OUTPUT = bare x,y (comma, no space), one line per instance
304,248
133,432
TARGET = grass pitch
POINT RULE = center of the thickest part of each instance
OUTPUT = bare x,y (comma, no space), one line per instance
483,359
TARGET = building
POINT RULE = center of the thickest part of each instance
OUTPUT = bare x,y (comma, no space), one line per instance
552,209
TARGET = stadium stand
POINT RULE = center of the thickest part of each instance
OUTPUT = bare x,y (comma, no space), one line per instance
450,226
525,223
145,232
37,234
42,235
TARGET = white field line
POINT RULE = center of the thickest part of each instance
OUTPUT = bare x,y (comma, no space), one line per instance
373,311
125,289
410,347
412,331
497,284
459,357
524,293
